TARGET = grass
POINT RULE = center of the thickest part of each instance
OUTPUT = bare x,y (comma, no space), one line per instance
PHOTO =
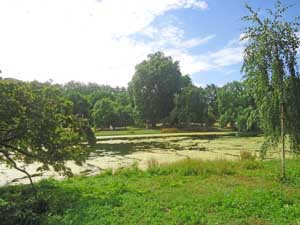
142,131
127,131
187,192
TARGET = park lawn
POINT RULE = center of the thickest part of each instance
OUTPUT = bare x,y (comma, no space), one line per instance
186,192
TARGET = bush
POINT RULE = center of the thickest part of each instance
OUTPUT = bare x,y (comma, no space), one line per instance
22,210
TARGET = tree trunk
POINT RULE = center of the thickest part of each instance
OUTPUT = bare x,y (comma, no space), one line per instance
282,120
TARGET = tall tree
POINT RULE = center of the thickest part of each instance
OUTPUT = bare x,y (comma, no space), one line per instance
105,113
190,106
153,86
211,92
236,107
271,72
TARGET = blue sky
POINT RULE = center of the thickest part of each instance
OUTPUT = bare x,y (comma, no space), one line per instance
102,40
223,20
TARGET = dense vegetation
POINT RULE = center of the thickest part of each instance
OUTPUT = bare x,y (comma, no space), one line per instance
49,124
37,125
101,106
188,192
272,75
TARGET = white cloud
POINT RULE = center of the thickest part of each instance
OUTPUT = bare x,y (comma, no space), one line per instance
227,56
171,34
84,40
190,43
231,54
90,40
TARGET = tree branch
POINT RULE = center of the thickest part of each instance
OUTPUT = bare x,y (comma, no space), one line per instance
19,150
14,164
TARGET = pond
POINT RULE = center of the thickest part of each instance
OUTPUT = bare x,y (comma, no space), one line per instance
122,152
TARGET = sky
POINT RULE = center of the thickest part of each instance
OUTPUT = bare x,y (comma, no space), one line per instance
103,40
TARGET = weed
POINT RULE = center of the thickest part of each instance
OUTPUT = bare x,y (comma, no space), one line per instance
247,155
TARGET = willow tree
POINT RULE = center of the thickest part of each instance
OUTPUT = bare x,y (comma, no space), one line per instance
271,72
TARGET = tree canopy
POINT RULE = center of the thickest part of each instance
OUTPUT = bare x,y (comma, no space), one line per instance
37,125
190,106
154,85
236,107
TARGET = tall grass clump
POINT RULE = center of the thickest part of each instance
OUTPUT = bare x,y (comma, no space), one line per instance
192,167
249,160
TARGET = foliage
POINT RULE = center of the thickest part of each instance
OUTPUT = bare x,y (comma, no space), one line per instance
85,97
236,107
190,106
81,106
37,125
108,113
153,86
219,192
105,113
211,92
271,73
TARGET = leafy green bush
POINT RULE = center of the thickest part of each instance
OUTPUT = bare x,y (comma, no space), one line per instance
17,209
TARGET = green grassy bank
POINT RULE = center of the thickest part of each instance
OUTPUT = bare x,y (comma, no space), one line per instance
142,131
187,192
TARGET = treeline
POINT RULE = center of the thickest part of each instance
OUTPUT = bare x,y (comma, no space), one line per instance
158,93
162,94
157,96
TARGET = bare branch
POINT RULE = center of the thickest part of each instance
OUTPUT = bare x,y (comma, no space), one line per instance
14,164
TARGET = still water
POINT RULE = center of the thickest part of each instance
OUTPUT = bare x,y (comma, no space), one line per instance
117,153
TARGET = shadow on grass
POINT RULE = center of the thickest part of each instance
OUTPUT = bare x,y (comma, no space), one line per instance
56,201
19,205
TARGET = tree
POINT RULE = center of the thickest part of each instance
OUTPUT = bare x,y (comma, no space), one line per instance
190,106
81,106
105,113
212,103
125,109
185,81
153,86
236,107
37,125
271,72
